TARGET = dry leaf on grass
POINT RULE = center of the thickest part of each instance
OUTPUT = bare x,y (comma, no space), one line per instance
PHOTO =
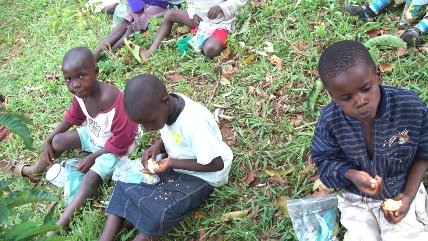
249,177
401,52
235,214
202,234
282,203
308,170
386,67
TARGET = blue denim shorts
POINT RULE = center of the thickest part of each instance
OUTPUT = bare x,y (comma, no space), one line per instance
155,209
104,164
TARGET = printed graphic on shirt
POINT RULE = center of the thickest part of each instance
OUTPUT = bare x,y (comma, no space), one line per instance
94,127
400,137
177,137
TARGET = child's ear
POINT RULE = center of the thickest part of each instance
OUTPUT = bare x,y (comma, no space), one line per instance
165,99
379,75
97,71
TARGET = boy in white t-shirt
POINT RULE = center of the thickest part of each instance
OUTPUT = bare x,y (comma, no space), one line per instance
198,160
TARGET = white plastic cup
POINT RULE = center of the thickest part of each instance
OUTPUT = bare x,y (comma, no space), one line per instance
57,175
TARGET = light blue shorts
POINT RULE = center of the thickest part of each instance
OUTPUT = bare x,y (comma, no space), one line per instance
104,164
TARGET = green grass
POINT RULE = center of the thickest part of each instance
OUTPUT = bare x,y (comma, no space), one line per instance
262,133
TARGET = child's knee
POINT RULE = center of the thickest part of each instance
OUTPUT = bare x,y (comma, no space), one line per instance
58,142
213,47
91,182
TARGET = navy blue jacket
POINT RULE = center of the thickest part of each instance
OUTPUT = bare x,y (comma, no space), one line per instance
399,134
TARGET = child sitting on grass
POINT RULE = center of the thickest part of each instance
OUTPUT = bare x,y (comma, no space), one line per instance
108,133
372,142
198,160
214,19
136,20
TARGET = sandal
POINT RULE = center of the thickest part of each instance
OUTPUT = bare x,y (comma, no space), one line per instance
12,167
134,51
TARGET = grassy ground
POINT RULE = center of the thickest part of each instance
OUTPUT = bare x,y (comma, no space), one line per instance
264,92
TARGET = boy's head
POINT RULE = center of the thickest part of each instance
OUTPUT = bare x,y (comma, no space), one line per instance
80,71
147,101
350,76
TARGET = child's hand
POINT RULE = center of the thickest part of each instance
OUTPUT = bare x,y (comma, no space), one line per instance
364,182
152,151
161,166
48,151
86,163
214,12
396,216
196,20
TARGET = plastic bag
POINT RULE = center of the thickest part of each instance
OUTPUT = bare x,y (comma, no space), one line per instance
314,218
129,171
119,12
73,181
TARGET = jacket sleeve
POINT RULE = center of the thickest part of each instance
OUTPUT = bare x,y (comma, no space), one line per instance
123,131
329,158
230,8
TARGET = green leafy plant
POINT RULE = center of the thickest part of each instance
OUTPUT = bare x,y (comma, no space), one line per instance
26,230
18,125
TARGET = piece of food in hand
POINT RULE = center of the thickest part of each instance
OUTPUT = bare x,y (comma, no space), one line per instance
373,181
392,205
151,165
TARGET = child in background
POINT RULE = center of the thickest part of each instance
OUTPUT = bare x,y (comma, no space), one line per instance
106,6
108,133
372,142
214,19
198,160
369,11
136,20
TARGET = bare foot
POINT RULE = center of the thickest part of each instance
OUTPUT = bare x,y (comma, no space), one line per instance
145,55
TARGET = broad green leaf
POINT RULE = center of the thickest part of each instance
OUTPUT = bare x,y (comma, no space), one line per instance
17,230
18,127
313,96
22,197
4,215
23,118
42,229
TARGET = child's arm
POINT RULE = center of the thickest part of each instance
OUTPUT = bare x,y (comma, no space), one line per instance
48,151
216,164
416,175
86,163
230,8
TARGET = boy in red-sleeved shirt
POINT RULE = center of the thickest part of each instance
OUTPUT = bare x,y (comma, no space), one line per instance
108,132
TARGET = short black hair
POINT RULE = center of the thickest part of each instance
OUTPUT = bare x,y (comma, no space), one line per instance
79,55
340,56
143,93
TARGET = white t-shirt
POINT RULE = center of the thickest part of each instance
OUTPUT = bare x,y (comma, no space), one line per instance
196,135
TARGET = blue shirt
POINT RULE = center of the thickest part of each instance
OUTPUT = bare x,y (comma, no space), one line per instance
399,134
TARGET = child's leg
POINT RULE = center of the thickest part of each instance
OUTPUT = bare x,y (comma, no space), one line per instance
367,11
61,142
115,38
216,43
171,17
90,184
412,36
112,227
357,217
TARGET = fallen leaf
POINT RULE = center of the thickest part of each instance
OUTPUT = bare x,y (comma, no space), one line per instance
249,177
308,170
214,87
200,214
278,179
50,76
386,67
251,89
235,214
318,185
100,204
250,59
202,234
176,77
282,203
314,178
297,121
373,33
302,47
275,60
401,52
271,171
226,53
254,212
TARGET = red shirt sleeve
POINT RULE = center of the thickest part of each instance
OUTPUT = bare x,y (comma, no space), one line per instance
123,130
75,115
